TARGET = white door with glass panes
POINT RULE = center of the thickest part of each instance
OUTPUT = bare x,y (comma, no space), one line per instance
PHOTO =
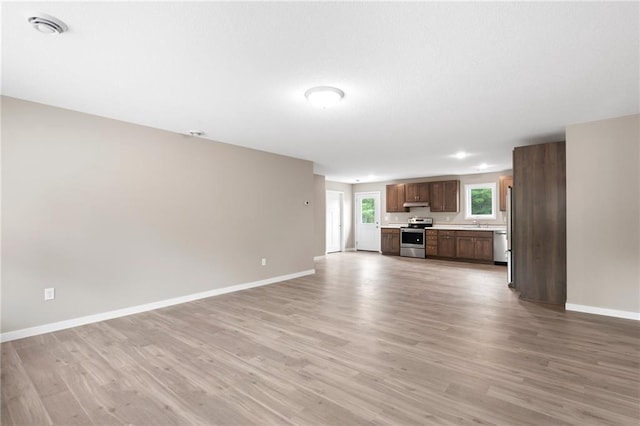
368,221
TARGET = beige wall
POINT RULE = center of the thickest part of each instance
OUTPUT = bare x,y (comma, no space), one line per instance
439,218
348,215
603,214
115,215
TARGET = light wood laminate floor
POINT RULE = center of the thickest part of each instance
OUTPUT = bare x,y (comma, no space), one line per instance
368,339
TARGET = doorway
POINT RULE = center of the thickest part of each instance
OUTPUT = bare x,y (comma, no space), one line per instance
335,238
367,221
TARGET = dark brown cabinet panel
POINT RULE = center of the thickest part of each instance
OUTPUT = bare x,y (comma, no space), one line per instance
415,192
395,198
436,196
471,246
465,247
484,248
446,244
444,196
432,250
539,222
474,245
505,182
451,196
432,242
390,241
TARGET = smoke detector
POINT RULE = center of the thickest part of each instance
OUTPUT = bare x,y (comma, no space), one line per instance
47,24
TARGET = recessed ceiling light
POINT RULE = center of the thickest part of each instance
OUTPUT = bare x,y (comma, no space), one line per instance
324,96
460,155
47,24
483,166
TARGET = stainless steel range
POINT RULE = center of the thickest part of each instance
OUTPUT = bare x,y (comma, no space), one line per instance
412,241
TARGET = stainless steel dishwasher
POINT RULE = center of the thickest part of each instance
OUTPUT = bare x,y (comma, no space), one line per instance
500,246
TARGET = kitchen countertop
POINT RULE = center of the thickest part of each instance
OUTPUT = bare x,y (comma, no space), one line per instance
452,227
471,227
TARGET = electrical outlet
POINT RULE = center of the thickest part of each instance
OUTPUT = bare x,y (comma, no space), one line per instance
49,293
264,261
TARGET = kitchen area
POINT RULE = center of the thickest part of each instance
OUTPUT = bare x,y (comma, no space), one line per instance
421,238
425,220
515,218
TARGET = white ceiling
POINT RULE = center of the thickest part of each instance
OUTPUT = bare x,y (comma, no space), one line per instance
422,80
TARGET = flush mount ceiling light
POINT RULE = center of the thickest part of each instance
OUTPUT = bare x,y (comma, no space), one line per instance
324,96
460,155
47,24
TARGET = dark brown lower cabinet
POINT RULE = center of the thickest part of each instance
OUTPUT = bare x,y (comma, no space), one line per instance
474,245
432,242
539,223
465,247
484,248
470,246
390,241
446,243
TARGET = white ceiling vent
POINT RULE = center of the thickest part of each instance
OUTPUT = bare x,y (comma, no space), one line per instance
47,24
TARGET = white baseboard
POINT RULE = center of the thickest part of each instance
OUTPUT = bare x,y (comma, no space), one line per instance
103,316
603,311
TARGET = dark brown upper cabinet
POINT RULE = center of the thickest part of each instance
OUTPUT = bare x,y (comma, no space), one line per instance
416,192
505,182
395,198
444,196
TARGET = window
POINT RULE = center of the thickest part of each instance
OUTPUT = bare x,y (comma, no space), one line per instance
368,210
480,201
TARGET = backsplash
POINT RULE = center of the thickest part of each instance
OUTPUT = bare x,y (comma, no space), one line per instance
439,218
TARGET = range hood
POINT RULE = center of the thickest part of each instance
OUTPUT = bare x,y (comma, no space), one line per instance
416,204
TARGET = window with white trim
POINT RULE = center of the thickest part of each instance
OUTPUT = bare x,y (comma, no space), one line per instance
480,201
